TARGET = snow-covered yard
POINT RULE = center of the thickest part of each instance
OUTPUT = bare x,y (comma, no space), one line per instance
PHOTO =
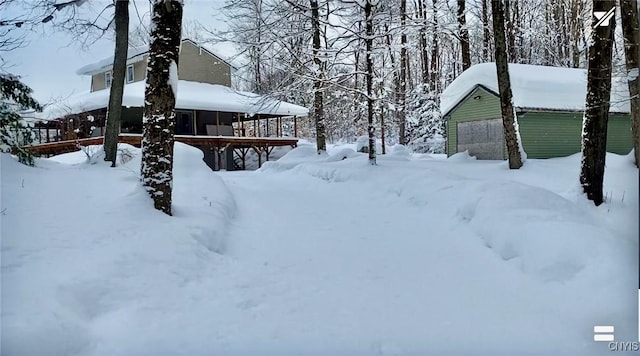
317,255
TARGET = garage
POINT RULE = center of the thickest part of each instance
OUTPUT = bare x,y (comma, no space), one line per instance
548,103
483,139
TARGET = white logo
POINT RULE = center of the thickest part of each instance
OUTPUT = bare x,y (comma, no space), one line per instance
604,17
603,333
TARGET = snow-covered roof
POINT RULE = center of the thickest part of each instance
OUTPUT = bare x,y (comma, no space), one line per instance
534,87
191,95
133,54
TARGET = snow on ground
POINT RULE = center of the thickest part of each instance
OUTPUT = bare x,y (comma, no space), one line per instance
318,254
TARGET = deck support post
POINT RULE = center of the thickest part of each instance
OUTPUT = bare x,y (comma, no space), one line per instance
239,132
295,126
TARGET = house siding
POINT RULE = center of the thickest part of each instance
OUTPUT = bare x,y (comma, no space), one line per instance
547,134
544,134
485,108
140,69
553,134
97,82
194,65
197,65
139,73
619,137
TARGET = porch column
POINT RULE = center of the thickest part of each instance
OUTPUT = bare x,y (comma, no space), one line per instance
217,123
239,132
295,126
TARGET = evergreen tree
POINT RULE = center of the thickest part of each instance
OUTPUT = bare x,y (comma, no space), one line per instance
425,125
14,132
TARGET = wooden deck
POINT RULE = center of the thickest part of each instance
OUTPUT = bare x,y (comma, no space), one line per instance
240,145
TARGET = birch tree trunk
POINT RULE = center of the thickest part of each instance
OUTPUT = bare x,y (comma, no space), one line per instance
631,33
509,122
114,111
160,99
594,131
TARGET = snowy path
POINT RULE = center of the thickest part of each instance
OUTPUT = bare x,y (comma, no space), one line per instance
319,256
380,282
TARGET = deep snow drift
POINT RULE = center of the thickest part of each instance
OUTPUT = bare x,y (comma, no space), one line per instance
317,255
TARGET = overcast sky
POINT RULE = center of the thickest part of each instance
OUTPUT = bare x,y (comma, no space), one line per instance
49,61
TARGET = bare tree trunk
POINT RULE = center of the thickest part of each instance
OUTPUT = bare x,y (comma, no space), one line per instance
511,50
576,26
594,131
160,99
368,14
631,33
257,51
519,48
382,131
318,107
402,89
565,43
435,51
114,111
423,42
486,33
464,35
504,84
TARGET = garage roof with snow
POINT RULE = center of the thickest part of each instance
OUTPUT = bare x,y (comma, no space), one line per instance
534,87
191,95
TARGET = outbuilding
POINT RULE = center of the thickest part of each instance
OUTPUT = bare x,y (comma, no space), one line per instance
549,104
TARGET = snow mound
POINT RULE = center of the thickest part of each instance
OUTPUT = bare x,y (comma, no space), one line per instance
301,154
100,261
342,154
400,150
545,234
461,157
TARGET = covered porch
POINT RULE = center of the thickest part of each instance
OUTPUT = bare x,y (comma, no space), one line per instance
202,110
214,147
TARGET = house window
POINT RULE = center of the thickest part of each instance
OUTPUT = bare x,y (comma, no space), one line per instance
107,79
130,74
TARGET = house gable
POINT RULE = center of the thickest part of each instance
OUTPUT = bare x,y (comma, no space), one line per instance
139,63
196,64
200,65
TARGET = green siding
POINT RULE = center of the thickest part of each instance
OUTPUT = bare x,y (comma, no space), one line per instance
619,138
486,107
544,134
550,134
553,134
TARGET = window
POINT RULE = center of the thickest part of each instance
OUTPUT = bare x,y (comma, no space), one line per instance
130,73
107,79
